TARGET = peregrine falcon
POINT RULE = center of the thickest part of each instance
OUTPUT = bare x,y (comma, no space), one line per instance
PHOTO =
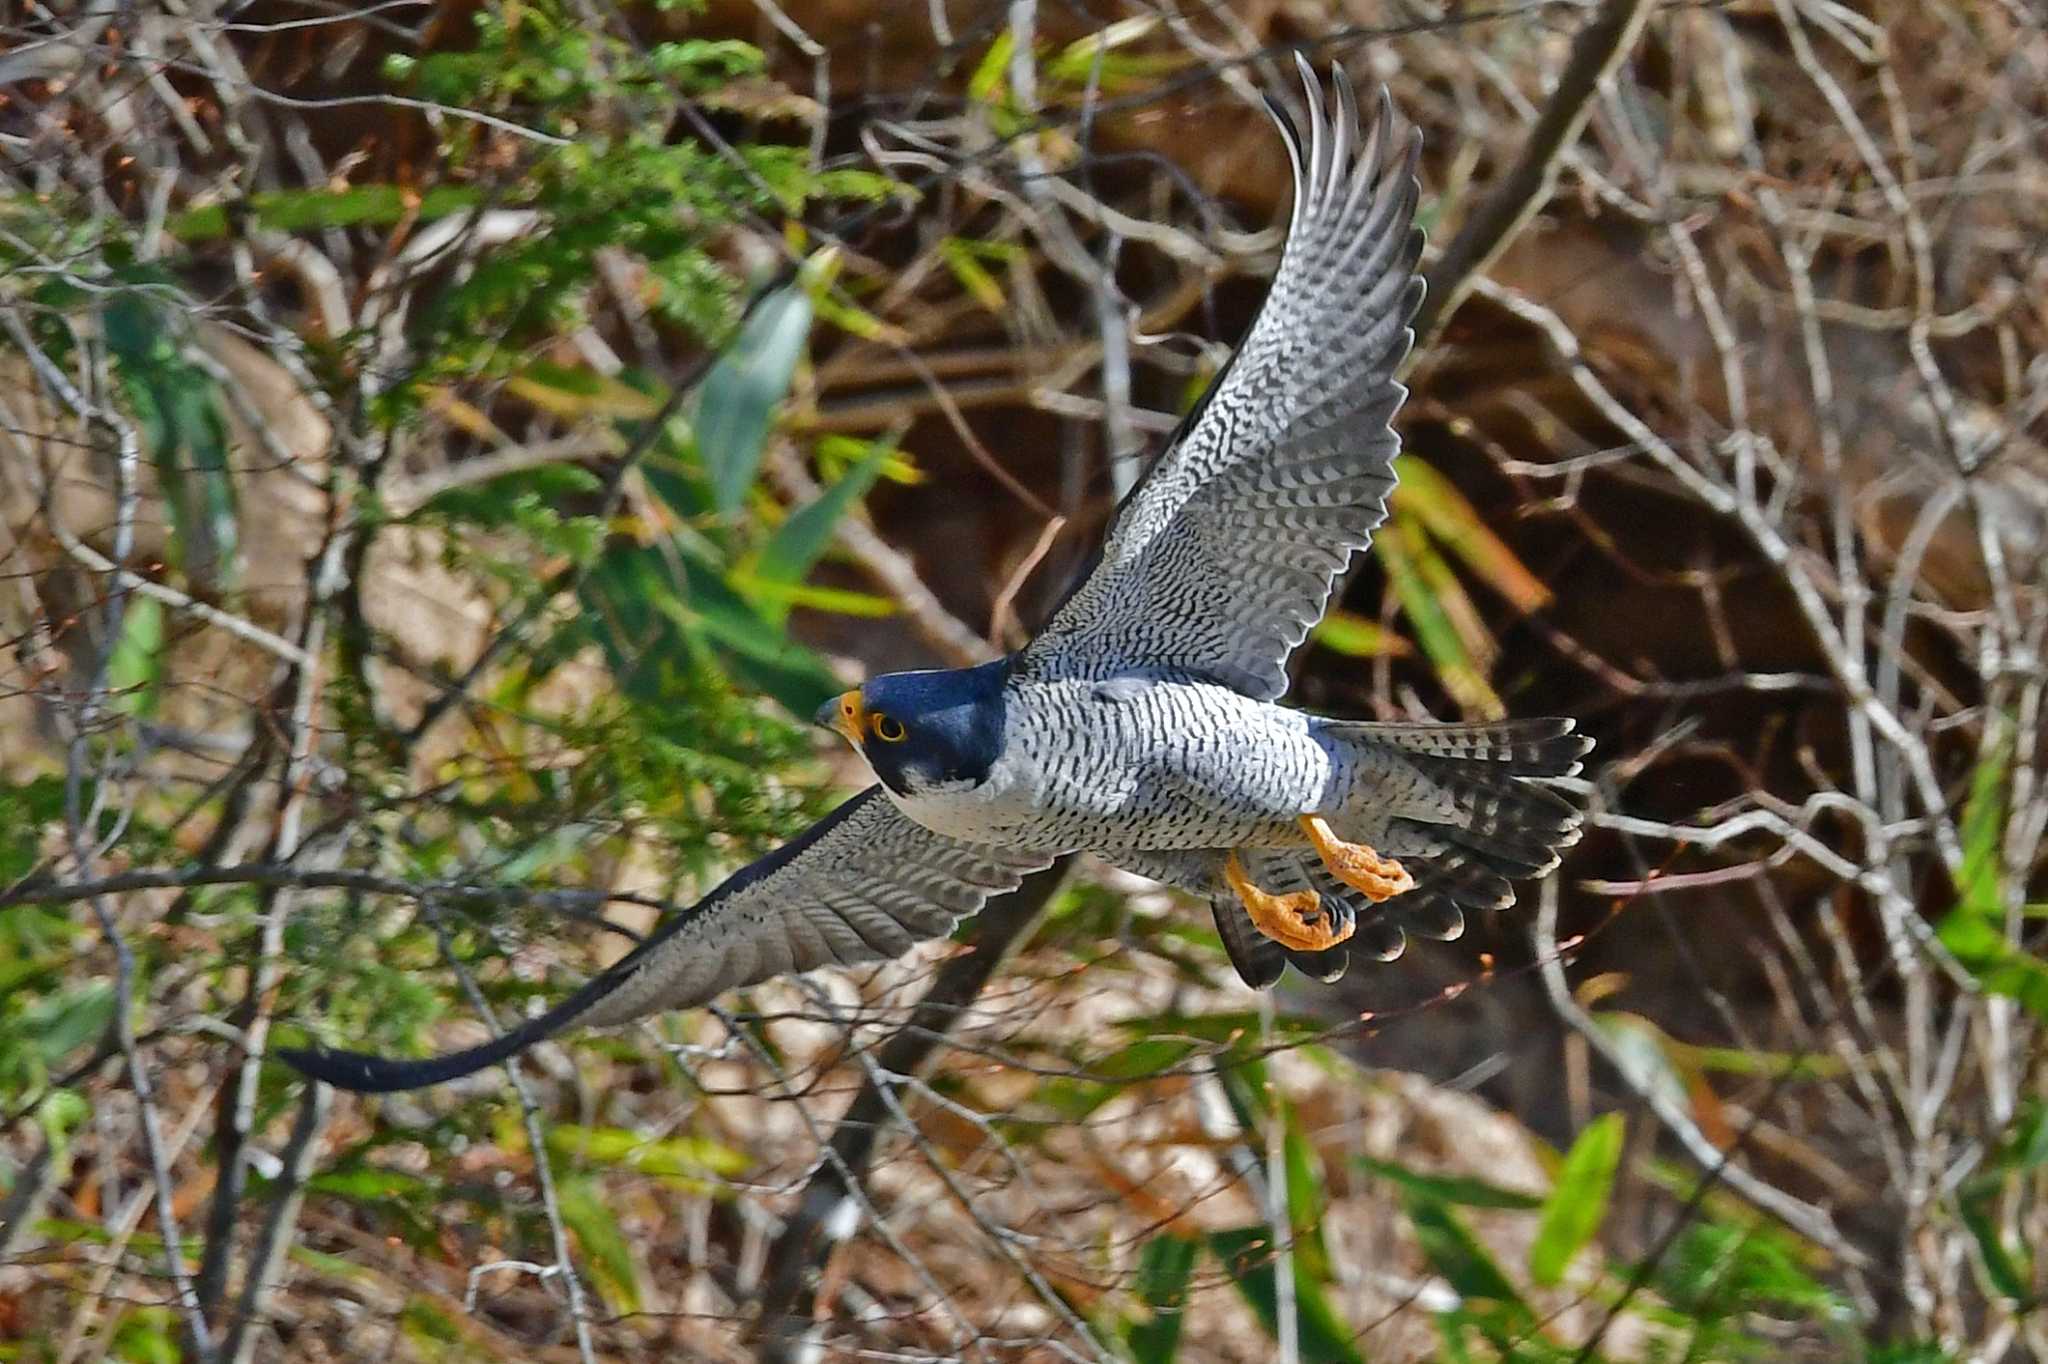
1143,724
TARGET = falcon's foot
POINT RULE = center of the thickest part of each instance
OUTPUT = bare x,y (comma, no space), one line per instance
1294,920
1357,866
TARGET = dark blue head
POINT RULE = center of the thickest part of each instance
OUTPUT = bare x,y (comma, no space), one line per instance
925,729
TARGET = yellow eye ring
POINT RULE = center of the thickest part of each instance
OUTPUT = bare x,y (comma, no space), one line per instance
887,728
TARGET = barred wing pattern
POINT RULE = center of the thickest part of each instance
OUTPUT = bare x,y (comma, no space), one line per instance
1225,554
863,884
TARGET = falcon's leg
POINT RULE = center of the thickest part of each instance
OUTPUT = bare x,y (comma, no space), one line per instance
1357,866
1294,920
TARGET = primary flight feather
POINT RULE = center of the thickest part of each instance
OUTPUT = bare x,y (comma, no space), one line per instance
1142,724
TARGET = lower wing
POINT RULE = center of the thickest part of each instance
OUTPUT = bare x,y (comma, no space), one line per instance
863,884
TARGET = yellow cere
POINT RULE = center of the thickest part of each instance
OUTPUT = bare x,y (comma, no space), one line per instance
852,717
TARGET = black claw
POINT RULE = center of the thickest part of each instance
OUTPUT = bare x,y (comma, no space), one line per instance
1341,914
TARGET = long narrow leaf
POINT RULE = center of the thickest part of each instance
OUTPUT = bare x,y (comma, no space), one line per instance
1430,498
742,390
1578,1204
800,541
1440,640
1247,1255
1455,1254
604,1244
1164,1268
1456,1189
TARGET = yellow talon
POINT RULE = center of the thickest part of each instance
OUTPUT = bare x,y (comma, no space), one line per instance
1357,866
1294,920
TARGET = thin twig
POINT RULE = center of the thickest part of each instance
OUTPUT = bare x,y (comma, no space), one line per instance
1520,194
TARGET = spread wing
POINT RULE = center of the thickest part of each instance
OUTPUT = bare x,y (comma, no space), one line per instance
1225,554
863,884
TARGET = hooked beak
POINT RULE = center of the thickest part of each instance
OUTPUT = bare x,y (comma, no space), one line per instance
844,715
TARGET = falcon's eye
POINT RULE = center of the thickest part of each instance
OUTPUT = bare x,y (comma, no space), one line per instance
888,728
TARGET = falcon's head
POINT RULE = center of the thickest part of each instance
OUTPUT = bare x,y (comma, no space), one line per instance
925,731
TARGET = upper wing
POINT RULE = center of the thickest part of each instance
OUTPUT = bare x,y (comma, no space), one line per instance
1224,555
862,884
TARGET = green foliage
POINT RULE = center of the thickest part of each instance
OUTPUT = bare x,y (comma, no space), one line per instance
28,814
2018,1157
1349,633
1725,1289
739,395
1451,1190
1577,1206
177,406
134,671
776,575
147,1335
604,1245
1975,929
615,182
1165,1266
1247,1256
687,1162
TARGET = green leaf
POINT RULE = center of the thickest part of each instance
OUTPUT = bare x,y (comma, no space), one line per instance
429,1329
1073,1098
841,453
972,276
332,1266
756,649
62,1023
1983,829
2022,1150
838,601
25,812
504,501
684,1156
1578,1204
2008,1275
306,210
1248,1258
604,1245
370,1184
1974,931
135,670
1445,648
574,393
991,73
800,541
1720,1269
1348,633
147,1335
1454,1189
1073,63
1909,1352
1429,498
1164,1267
61,1113
177,410
1236,1029
1454,1254
741,392
650,626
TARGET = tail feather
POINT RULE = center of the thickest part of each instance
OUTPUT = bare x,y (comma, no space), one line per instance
1492,799
1260,961
1534,748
